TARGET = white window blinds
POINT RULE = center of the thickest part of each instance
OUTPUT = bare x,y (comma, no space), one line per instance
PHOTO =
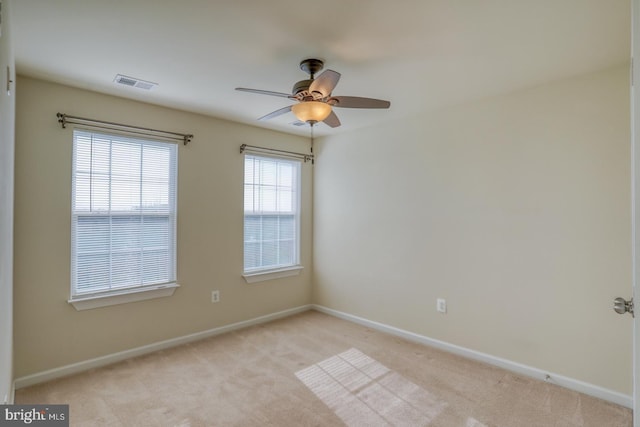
271,213
123,213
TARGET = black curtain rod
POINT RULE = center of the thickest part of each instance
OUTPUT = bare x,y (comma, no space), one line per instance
284,153
65,119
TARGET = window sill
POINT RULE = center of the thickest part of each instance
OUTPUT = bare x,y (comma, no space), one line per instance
130,295
261,276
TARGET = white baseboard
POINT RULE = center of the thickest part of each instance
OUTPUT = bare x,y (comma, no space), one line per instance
97,362
566,382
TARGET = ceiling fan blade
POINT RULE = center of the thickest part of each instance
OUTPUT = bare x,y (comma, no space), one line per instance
325,83
276,113
332,120
357,102
265,92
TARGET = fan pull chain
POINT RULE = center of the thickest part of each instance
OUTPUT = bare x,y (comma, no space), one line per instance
312,157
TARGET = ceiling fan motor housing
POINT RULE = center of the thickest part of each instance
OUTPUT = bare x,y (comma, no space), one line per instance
310,66
301,86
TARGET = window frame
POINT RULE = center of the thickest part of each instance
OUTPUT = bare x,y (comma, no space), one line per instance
130,293
258,274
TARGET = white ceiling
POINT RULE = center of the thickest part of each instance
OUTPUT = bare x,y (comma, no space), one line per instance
418,54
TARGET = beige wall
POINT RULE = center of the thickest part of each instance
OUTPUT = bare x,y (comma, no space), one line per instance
7,115
49,332
516,209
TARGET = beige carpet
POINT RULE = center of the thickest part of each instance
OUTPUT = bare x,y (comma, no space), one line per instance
315,370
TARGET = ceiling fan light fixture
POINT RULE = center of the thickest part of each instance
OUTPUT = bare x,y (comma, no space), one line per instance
311,111
314,96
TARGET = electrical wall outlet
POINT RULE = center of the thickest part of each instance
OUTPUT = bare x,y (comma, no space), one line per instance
215,296
441,305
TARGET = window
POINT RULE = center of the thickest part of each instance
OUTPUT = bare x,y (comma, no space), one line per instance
123,230
271,214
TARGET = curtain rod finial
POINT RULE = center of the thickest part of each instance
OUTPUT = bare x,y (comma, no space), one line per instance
62,119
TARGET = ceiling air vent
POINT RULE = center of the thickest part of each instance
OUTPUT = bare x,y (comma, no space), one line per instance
133,82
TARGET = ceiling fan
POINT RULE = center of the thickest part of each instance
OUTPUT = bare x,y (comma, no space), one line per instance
315,102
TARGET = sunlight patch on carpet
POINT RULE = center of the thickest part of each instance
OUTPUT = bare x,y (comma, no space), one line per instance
472,422
362,391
